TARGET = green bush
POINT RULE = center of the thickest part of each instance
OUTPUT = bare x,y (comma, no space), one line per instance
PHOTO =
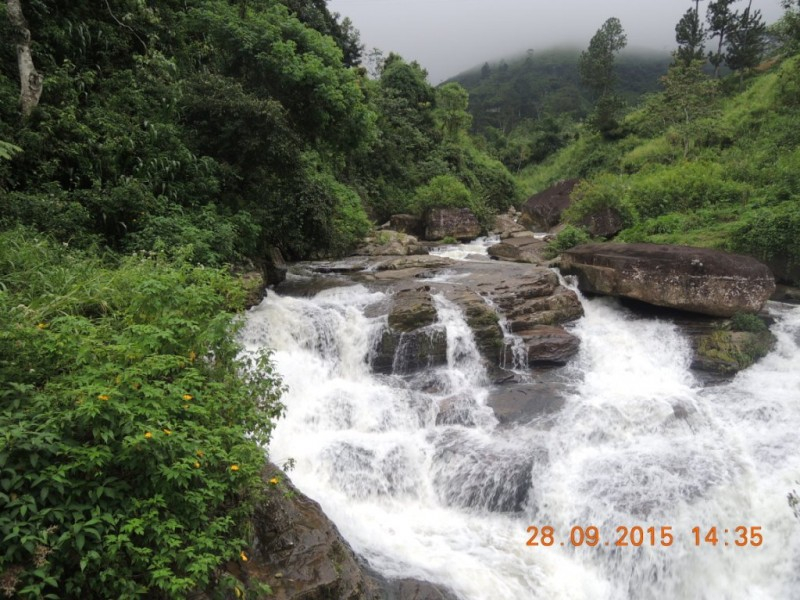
446,191
132,430
771,233
599,194
567,238
747,322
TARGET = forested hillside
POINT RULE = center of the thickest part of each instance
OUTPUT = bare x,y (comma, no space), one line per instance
225,126
707,161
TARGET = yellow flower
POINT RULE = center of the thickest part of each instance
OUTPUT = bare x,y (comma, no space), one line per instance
41,326
104,397
200,453
188,397
197,464
274,481
234,467
185,406
167,431
192,355
147,435
243,556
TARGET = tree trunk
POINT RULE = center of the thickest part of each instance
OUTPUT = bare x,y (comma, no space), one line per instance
29,78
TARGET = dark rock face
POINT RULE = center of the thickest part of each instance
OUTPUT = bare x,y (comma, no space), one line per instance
412,309
693,279
407,224
403,353
458,223
275,267
523,403
605,223
301,555
543,210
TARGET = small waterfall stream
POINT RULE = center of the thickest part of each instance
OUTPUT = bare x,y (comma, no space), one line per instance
423,482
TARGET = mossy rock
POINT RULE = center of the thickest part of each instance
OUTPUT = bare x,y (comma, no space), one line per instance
729,352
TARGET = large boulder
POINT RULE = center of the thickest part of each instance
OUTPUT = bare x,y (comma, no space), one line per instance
546,344
604,222
458,223
524,248
698,280
275,268
391,243
543,211
409,224
301,555
728,352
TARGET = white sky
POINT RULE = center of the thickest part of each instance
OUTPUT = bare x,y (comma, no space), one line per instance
450,36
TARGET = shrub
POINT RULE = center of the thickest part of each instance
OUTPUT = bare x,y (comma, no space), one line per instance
771,233
594,196
567,238
132,429
747,322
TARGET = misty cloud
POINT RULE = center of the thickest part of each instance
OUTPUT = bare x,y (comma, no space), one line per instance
450,36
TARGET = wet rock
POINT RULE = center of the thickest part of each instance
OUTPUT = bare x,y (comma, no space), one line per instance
525,249
275,268
301,555
785,293
391,243
400,353
482,320
693,279
458,223
409,224
412,309
523,403
728,352
547,344
543,211
456,411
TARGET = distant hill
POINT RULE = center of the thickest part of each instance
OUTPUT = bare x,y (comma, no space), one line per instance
546,83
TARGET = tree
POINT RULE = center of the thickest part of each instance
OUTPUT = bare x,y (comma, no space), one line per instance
31,81
688,98
746,41
597,73
451,110
486,70
787,28
690,35
721,20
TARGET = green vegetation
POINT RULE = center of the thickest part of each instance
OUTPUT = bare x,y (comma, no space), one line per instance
699,163
567,238
130,455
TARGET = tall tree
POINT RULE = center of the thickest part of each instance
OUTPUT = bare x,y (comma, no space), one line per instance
597,73
31,81
747,41
690,35
721,20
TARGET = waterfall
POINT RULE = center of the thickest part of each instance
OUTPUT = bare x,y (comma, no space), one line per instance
423,482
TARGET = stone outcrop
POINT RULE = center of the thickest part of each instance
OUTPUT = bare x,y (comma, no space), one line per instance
546,344
698,280
409,224
301,555
458,223
543,211
728,352
391,243
525,249
506,225
275,268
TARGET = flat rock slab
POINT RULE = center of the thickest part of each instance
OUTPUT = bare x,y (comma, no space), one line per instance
698,280
523,403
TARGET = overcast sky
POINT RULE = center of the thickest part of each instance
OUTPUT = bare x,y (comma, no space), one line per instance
450,36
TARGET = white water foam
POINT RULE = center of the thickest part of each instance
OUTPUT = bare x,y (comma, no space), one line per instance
450,503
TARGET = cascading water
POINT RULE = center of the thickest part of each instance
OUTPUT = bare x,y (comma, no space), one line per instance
423,482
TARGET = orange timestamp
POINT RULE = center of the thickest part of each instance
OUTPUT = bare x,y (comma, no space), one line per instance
637,536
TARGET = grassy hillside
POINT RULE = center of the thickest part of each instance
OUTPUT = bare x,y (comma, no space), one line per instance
729,177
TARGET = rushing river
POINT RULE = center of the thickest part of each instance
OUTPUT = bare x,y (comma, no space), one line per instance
638,442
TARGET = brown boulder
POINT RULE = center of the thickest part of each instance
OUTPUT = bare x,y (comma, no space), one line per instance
605,222
458,223
547,344
543,210
526,249
409,224
301,555
698,280
391,243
